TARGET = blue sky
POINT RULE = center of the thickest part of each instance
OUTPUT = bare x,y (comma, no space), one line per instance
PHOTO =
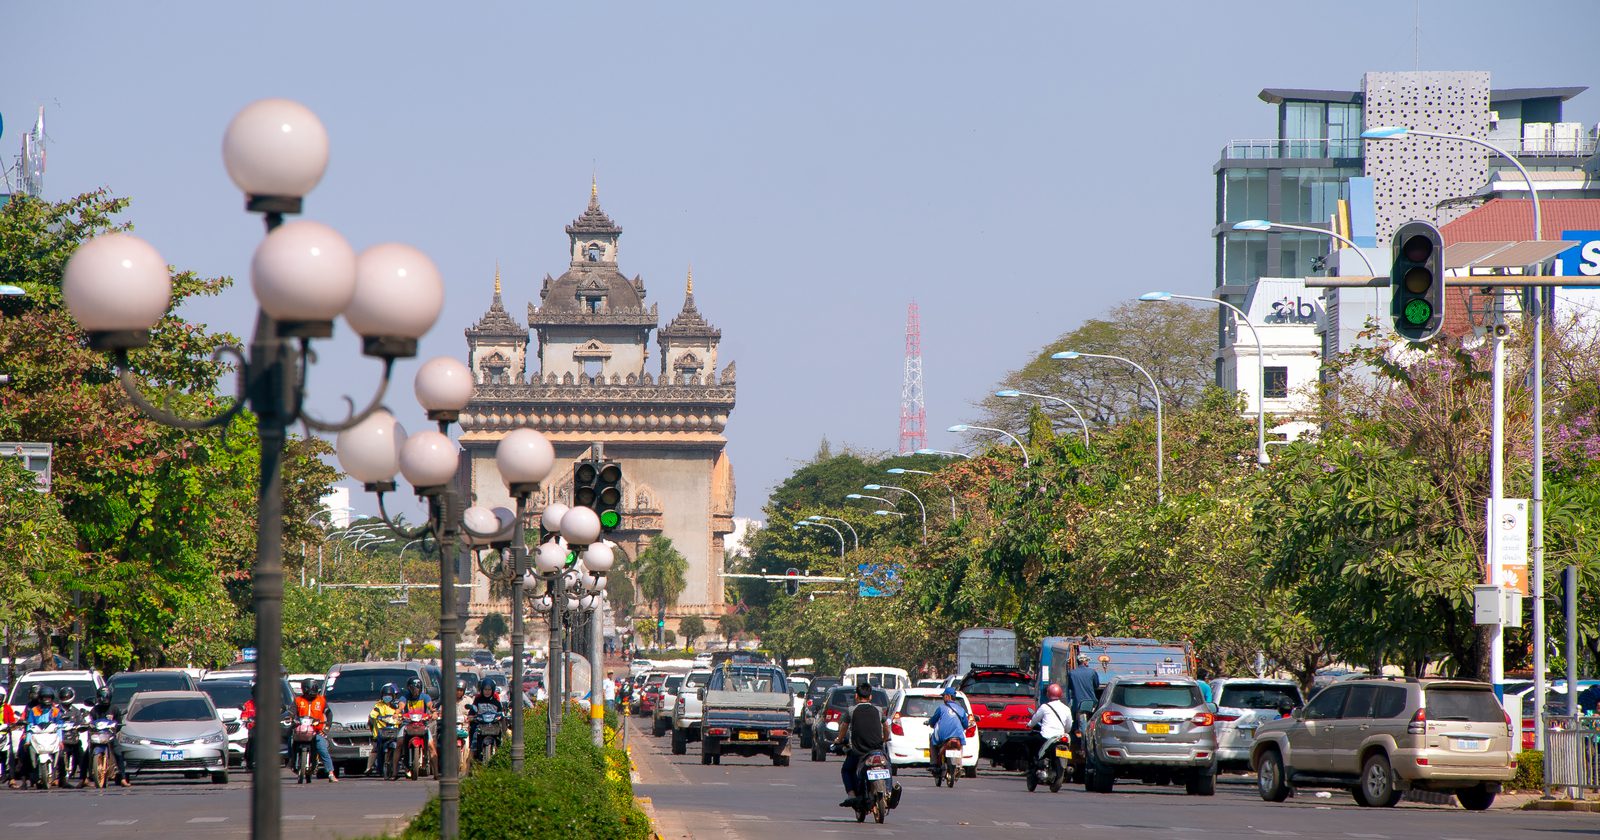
1015,167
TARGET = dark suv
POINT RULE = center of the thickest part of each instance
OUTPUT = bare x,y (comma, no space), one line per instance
816,697
839,700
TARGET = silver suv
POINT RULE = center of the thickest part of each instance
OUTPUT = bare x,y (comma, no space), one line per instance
1158,729
1381,736
686,711
1243,704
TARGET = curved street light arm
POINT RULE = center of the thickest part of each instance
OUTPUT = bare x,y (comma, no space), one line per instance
352,417
1082,422
162,413
856,538
1160,467
398,530
920,506
1261,371
1014,439
1328,233
836,532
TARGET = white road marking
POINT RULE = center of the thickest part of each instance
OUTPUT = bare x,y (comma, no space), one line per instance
715,783
117,822
1273,833
999,824
751,817
29,824
781,784
1368,836
208,819
384,816
299,816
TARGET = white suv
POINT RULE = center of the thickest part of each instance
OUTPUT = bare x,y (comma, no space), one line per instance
686,711
84,684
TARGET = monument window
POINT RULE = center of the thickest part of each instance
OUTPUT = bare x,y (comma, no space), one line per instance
593,367
593,252
593,304
497,374
1277,384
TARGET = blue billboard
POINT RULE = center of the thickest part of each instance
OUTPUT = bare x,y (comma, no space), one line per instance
1583,258
877,581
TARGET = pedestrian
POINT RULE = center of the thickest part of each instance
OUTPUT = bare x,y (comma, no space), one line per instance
609,691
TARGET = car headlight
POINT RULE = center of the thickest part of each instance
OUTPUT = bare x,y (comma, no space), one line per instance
213,738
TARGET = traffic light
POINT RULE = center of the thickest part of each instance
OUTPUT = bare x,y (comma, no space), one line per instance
608,495
1416,281
597,485
792,585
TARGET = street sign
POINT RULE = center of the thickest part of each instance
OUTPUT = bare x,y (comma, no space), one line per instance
247,655
1510,541
877,581
1583,258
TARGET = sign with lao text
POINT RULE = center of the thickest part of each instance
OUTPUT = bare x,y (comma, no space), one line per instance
1508,542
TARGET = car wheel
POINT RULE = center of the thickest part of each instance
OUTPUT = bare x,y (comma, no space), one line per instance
1201,783
805,739
680,741
1476,798
1096,780
816,751
656,729
970,772
780,761
1377,783
1272,781
705,757
220,778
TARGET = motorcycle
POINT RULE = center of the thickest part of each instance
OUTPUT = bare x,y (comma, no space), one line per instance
491,727
305,753
947,763
387,745
879,793
69,760
45,742
463,752
1050,764
415,731
102,736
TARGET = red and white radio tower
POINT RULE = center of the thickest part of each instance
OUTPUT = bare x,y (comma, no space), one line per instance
913,418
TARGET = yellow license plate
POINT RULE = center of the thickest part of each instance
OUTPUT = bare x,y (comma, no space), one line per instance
749,736
1063,752
1158,728
924,753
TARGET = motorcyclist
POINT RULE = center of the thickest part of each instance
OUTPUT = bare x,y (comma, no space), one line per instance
71,748
487,699
21,763
1083,692
866,730
312,704
385,713
949,721
103,710
1050,721
417,700
40,712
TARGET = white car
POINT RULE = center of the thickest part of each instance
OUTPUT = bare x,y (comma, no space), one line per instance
799,686
228,691
909,733
1243,704
889,679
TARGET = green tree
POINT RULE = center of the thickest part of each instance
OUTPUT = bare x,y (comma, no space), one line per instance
41,560
730,626
691,628
662,574
491,629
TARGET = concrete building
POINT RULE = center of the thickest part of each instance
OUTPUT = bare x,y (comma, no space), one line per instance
1317,164
1288,319
588,384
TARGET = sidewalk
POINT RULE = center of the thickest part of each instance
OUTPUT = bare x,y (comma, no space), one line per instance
649,768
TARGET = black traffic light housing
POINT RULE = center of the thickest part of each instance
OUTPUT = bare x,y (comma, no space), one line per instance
597,485
792,585
1416,281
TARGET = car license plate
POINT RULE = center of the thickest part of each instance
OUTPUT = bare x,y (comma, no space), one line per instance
748,736
1158,728
364,752
877,774
1063,752
952,755
924,753
172,755
1470,744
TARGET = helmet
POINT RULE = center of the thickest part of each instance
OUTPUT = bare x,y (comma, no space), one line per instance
47,693
1083,659
950,691
413,687
388,692
486,688
310,688
102,694
1052,692
33,693
67,694
461,686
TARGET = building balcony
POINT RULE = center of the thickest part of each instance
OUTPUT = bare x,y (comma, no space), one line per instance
1557,146
1274,149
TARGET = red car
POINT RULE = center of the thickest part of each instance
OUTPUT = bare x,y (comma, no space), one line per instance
650,696
1003,702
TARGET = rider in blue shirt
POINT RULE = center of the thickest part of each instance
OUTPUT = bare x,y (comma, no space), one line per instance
948,721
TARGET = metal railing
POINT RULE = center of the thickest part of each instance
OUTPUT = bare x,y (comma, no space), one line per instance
1580,145
1572,752
1310,149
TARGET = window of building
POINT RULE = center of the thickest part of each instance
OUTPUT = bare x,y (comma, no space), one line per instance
1296,251
1344,130
1244,257
497,374
1246,194
1310,195
593,367
593,304
593,252
1277,382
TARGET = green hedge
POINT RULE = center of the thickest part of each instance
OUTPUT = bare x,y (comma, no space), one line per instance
1530,771
583,793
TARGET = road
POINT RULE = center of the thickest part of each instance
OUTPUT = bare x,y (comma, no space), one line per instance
180,808
749,799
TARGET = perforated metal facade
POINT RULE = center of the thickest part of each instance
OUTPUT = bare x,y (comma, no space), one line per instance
1412,175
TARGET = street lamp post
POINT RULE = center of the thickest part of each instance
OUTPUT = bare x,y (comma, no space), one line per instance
1008,393
967,427
906,471
854,537
525,459
304,275
808,523
1160,469
1536,504
918,499
1264,225
1261,362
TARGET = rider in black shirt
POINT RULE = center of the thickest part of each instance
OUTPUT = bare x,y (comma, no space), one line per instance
866,730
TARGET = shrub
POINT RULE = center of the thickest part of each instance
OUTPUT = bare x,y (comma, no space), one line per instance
1530,771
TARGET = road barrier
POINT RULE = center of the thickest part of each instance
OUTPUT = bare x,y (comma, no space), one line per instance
1572,753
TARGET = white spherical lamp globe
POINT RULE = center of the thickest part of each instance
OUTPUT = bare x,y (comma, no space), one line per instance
572,604
596,585
580,526
507,520
443,383
542,603
275,147
370,450
303,271
599,558
428,459
525,457
550,558
481,524
116,282
398,293
550,520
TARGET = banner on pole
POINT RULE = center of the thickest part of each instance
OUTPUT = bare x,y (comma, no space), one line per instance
1510,542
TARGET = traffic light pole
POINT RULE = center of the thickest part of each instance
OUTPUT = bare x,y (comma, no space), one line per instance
1497,631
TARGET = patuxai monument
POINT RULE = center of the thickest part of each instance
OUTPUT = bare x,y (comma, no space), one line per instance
582,372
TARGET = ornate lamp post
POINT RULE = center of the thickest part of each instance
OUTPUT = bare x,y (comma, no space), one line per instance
304,275
525,459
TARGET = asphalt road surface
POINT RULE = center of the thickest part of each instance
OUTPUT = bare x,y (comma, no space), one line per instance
179,808
749,799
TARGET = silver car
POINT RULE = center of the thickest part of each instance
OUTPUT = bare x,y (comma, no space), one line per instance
1158,729
174,732
1243,705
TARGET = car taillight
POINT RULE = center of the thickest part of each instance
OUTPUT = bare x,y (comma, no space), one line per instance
717,730
1111,717
779,733
1226,718
979,709
895,727
831,715
972,732
1204,719
876,760
1419,723
1509,731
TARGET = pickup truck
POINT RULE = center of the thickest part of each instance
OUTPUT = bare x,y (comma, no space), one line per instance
745,710
686,712
1003,702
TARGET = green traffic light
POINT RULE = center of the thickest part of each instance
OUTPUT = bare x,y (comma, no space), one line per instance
1418,312
610,519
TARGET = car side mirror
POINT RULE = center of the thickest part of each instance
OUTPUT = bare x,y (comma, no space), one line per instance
700,694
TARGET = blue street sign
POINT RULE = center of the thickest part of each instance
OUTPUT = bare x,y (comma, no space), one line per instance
247,655
877,581
1583,258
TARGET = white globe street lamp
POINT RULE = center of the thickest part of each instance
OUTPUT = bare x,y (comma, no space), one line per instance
443,387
